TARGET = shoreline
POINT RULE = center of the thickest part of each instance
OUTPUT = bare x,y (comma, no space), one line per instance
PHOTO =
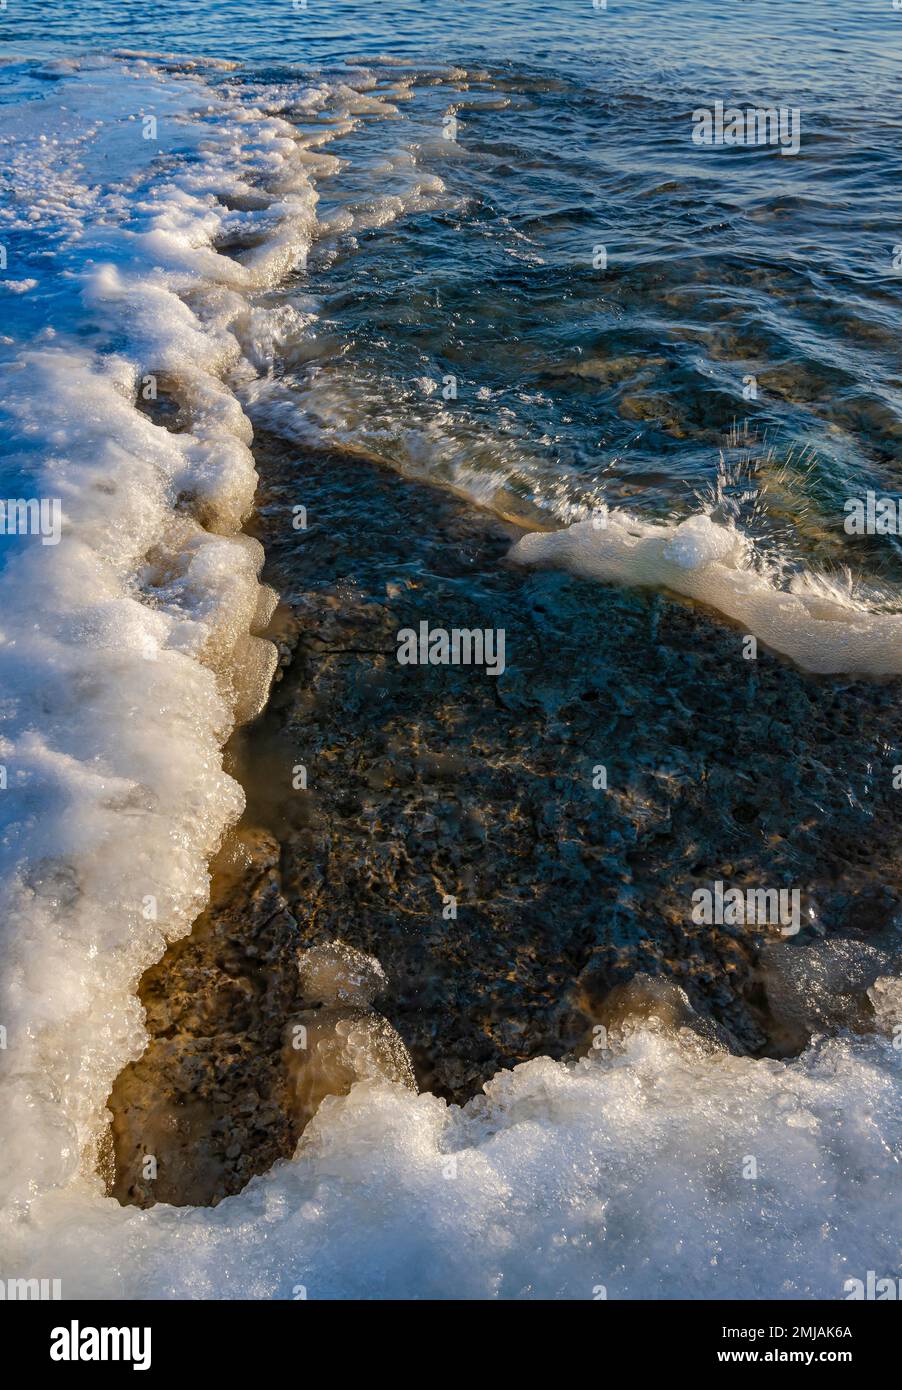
425,782
378,794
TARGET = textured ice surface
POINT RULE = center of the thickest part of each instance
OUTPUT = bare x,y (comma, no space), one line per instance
335,973
623,1171
127,650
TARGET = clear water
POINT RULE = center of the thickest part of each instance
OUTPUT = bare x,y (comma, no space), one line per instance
578,385
125,648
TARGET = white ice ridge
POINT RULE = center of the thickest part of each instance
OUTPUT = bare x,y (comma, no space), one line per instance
625,1175
811,621
127,650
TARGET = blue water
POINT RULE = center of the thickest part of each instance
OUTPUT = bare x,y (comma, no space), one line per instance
729,271
820,47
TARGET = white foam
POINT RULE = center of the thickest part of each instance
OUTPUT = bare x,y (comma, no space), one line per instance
128,650
811,620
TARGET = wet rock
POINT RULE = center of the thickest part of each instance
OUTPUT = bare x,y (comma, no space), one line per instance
455,828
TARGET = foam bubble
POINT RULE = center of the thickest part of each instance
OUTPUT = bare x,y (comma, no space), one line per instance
810,621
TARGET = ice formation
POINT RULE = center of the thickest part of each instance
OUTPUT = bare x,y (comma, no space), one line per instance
128,650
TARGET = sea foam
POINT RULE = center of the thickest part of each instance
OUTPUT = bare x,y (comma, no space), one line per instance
810,620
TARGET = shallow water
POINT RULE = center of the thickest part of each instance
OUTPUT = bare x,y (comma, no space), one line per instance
273,231
575,385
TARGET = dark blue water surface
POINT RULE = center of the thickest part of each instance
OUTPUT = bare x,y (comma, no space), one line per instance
749,308
817,47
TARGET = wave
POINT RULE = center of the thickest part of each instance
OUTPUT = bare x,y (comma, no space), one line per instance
812,620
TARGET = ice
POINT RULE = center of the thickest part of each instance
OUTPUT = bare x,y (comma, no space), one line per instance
824,986
622,1173
129,650
126,654
335,973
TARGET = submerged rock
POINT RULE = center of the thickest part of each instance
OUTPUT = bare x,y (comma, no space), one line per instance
493,858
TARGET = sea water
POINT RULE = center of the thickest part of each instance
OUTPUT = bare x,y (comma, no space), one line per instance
477,243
